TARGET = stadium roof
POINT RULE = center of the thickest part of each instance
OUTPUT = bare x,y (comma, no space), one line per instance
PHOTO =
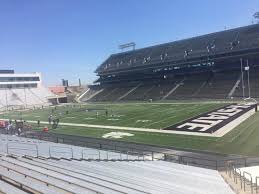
196,48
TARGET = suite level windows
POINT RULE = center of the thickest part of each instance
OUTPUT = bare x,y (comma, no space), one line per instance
206,64
12,86
18,79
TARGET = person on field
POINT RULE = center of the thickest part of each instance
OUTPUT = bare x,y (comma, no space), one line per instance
19,131
50,119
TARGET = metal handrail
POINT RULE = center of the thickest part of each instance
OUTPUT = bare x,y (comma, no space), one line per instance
246,180
98,153
256,186
212,164
8,148
51,150
240,176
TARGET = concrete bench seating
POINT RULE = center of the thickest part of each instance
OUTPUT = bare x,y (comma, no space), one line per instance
73,176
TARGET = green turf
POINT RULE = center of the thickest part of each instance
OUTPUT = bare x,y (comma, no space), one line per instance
127,115
244,139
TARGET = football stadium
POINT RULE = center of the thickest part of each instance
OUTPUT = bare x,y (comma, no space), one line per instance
178,118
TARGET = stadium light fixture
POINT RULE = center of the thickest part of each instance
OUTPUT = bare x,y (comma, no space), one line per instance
127,45
256,16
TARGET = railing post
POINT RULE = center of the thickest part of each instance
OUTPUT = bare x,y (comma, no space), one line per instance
251,180
240,176
37,151
234,174
256,186
49,152
7,150
152,156
72,153
82,154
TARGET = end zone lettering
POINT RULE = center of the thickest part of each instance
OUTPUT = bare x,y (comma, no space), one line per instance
212,121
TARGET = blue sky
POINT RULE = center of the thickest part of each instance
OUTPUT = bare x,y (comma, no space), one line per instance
70,38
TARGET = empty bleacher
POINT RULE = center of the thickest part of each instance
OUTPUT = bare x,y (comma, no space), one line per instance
139,93
195,47
254,84
89,93
103,94
24,97
36,166
218,85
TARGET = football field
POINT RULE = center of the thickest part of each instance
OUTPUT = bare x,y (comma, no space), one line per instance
241,140
142,115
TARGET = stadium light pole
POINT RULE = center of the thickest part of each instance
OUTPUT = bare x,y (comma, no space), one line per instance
248,78
242,77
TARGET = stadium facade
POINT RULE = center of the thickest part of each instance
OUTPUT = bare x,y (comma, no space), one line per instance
219,65
22,89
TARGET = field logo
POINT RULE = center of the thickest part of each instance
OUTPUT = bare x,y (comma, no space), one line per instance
117,135
113,119
212,121
143,121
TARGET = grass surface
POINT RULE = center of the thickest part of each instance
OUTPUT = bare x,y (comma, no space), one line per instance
244,139
127,115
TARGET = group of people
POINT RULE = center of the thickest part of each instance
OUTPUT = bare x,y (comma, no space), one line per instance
54,121
13,128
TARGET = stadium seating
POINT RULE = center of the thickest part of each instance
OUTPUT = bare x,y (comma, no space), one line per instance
218,85
54,176
22,171
104,94
193,86
139,93
254,84
202,67
189,87
205,45
24,97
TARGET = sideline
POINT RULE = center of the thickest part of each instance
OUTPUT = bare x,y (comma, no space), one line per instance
128,128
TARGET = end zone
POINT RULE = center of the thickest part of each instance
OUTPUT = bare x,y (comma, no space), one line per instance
217,122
